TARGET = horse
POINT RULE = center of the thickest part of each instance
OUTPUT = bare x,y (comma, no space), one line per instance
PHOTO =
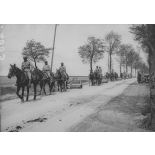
91,78
50,80
23,80
97,78
62,80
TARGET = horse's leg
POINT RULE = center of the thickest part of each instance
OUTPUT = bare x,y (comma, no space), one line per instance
34,85
53,86
23,88
61,86
17,92
41,87
27,97
58,84
65,85
44,84
49,84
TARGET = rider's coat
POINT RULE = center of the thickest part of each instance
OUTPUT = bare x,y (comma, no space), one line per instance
27,68
62,69
46,69
96,70
100,71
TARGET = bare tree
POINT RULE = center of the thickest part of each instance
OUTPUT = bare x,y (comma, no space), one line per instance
137,61
123,54
92,51
131,57
113,41
35,51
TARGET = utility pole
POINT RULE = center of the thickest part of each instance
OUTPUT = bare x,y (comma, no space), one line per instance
53,46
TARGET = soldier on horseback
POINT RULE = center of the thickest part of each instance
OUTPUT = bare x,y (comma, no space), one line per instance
27,67
63,69
100,71
96,70
46,69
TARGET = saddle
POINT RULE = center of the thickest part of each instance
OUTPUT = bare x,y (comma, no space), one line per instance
26,75
64,75
45,75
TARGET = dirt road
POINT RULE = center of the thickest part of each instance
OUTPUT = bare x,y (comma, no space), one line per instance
115,106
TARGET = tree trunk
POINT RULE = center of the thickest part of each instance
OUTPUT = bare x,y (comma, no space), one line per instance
110,61
91,65
120,69
131,70
35,63
126,67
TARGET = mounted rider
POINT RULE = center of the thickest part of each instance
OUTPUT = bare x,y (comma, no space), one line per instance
47,69
62,69
27,67
96,70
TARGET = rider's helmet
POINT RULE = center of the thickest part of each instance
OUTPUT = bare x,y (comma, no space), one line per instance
62,63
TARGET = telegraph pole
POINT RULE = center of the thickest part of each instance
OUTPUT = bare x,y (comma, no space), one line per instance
53,46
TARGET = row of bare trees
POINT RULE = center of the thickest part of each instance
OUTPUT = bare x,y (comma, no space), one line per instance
93,51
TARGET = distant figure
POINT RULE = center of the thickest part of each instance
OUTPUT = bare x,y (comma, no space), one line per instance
62,69
96,69
100,70
46,69
139,76
121,75
27,67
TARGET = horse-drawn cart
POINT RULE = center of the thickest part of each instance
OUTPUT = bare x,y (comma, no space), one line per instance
74,84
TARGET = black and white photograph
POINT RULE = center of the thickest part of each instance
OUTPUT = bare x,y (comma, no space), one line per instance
77,77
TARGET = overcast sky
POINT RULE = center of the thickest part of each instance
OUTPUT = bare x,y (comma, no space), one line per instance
68,39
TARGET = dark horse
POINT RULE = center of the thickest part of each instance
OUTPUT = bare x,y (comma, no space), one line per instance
23,81
62,80
47,80
95,78
91,78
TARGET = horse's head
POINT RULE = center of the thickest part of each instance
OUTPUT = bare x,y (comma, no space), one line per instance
12,71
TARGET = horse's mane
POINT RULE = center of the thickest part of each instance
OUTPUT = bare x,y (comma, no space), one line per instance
17,68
